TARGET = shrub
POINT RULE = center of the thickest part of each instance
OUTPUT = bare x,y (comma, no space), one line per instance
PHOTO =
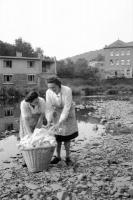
93,90
76,91
112,91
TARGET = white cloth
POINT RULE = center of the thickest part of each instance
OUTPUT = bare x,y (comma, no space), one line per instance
40,138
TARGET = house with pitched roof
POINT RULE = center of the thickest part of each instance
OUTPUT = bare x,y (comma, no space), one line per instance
25,72
118,59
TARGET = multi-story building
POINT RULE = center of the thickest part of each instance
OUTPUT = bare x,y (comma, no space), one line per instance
119,59
25,72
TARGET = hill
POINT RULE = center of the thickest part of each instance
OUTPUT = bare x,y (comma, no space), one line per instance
88,55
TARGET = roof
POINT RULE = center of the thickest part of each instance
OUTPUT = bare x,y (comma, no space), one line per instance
47,59
119,44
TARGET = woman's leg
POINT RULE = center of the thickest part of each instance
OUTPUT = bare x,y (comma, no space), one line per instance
67,148
58,149
57,158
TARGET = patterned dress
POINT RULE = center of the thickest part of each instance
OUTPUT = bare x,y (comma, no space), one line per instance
61,109
31,114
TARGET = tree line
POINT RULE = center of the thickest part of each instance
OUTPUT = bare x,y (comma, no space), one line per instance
79,69
25,48
65,68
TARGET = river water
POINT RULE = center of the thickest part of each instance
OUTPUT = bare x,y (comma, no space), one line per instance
9,126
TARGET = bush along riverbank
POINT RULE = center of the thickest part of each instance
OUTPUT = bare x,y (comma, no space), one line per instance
82,87
86,87
102,165
16,94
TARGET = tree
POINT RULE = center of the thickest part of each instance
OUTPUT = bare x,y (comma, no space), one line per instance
65,69
25,48
39,51
7,49
81,68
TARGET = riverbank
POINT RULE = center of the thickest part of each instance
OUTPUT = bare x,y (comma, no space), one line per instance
102,164
80,86
113,86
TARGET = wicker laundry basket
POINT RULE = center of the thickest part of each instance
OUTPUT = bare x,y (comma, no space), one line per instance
38,159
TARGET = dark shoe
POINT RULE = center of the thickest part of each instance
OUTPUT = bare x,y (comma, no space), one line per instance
55,160
68,161
24,164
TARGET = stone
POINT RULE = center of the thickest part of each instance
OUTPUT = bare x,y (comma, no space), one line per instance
130,191
82,177
31,186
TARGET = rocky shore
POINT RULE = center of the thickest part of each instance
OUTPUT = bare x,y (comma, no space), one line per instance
102,166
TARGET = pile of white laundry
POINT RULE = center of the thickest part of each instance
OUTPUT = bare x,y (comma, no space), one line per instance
40,138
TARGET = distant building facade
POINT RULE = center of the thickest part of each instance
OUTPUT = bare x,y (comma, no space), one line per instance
24,71
96,64
118,59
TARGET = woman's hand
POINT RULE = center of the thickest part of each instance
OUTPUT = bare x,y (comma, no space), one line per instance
55,127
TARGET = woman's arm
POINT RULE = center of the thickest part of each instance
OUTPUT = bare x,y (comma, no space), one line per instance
43,111
49,107
25,115
66,109
26,124
67,106
40,121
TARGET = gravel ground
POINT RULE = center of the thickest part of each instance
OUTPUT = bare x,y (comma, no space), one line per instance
102,167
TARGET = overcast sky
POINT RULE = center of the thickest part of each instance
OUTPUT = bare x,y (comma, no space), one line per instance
64,28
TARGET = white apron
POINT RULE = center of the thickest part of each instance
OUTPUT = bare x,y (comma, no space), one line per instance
69,126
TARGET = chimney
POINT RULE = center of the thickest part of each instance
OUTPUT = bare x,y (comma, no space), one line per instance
18,54
40,55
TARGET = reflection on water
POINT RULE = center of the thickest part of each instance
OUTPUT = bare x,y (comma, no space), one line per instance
9,116
8,147
9,120
87,130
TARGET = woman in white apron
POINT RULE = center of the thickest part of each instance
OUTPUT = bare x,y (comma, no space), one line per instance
32,113
61,112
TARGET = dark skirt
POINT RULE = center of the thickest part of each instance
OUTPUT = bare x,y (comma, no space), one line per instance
60,138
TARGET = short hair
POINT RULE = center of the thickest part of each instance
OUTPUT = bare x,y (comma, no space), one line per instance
31,96
54,80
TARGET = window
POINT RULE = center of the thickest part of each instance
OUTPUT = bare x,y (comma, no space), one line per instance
117,53
128,52
9,126
122,53
128,72
8,112
128,62
30,63
111,62
31,78
111,53
8,78
8,63
117,62
116,73
122,62
45,67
